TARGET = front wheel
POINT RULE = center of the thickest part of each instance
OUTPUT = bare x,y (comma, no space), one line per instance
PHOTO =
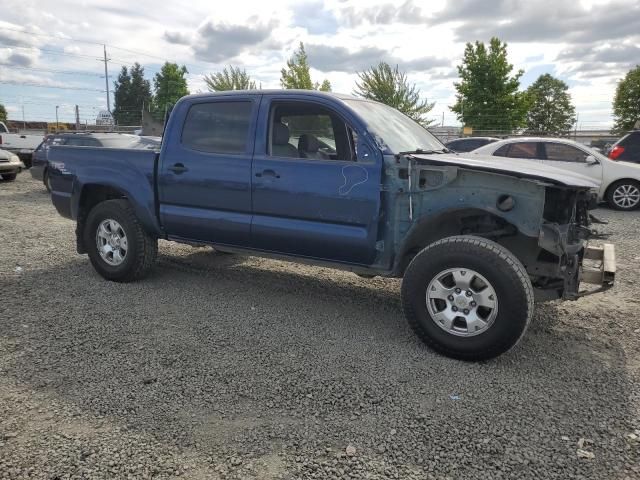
467,297
624,195
118,246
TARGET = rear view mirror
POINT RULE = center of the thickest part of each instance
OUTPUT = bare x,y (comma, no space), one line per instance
591,160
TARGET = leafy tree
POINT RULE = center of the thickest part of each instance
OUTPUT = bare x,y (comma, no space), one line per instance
550,107
487,95
297,74
169,84
626,103
391,87
132,92
3,113
326,86
229,79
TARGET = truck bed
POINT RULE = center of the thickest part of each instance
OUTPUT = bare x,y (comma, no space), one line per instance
128,171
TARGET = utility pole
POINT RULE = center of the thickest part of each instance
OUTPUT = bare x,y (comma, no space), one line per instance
77,118
57,124
442,125
106,77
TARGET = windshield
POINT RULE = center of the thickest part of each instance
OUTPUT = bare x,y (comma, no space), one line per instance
392,129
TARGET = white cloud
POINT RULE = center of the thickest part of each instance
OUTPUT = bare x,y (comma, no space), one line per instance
589,43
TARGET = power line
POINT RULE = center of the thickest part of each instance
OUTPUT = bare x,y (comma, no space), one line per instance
65,54
71,39
61,72
42,85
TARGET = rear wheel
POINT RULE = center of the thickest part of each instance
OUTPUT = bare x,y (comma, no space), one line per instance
118,246
9,177
624,195
467,297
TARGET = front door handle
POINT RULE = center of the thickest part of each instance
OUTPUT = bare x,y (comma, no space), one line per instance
178,168
268,173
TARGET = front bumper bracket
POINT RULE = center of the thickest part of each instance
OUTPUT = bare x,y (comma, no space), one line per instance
598,268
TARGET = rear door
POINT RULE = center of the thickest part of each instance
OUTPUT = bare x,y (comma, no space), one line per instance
316,184
204,179
523,150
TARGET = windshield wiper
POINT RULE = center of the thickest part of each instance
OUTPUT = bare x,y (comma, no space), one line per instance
420,151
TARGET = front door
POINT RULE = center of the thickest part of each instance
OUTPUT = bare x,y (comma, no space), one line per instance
568,157
204,180
316,192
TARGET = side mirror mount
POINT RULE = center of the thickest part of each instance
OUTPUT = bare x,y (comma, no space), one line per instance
591,160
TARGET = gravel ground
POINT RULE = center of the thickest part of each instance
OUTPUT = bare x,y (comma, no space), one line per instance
223,366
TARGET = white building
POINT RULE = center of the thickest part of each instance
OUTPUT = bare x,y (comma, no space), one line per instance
104,118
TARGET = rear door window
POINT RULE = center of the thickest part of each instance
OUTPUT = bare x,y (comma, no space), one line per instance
82,141
218,127
518,150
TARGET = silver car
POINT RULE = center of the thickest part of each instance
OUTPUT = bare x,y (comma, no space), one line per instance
10,165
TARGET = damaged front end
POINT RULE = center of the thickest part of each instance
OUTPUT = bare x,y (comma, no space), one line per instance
566,260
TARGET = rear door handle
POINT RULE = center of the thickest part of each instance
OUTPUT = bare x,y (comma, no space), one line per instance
267,173
178,168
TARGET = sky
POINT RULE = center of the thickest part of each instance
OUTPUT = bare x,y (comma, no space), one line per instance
51,52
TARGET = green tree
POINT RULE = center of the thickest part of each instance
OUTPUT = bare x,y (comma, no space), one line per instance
626,103
121,96
3,113
391,87
550,107
169,84
132,92
297,74
229,79
487,94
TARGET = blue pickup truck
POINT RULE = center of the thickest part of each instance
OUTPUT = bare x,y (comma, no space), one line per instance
349,183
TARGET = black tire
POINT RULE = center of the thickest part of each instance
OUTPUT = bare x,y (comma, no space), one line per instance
9,177
618,203
142,248
504,272
46,180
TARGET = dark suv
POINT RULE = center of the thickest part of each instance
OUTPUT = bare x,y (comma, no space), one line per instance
627,149
103,139
469,143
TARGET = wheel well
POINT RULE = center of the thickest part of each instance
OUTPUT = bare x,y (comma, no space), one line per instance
459,222
91,196
621,180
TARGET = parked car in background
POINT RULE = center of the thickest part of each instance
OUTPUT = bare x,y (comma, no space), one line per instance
39,168
619,181
627,149
10,165
20,144
469,143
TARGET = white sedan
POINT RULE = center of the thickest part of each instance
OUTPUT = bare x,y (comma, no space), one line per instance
619,181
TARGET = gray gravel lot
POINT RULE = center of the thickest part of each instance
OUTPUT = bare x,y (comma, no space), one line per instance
223,366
